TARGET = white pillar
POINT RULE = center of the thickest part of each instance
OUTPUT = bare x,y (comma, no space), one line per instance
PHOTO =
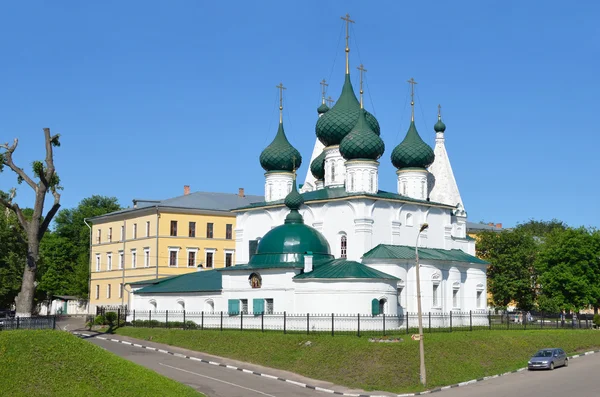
277,185
361,176
412,182
319,184
335,170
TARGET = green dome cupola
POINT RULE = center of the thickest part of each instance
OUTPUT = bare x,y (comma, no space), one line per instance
287,244
362,142
322,109
280,155
317,167
334,125
412,152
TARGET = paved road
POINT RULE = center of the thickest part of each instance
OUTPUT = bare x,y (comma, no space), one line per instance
578,379
211,380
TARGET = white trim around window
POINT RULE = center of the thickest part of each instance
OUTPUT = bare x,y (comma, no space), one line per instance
171,250
121,260
120,290
109,261
146,257
108,291
206,252
133,258
97,262
187,257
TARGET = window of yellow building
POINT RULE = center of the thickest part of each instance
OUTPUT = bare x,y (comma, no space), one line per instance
133,258
209,230
229,231
192,231
173,228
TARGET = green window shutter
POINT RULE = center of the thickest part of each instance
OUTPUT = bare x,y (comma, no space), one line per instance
258,306
375,307
234,306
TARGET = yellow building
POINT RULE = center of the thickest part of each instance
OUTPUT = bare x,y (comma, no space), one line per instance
154,239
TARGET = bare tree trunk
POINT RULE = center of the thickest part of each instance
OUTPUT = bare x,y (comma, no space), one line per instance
25,298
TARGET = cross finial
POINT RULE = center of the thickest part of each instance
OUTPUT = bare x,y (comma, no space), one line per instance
348,22
412,83
281,88
329,101
362,70
323,85
439,112
294,167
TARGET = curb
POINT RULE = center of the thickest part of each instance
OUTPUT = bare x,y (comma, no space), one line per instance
304,385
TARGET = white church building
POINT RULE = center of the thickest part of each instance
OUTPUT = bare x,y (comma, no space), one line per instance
340,244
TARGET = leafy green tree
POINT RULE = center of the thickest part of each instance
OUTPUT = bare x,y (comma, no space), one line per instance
569,268
540,229
511,275
66,249
13,251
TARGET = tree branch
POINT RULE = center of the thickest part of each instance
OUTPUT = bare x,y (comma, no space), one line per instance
51,213
16,209
49,155
9,161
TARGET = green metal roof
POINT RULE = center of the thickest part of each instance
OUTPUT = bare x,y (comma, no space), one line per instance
334,125
342,268
280,155
362,142
203,281
439,126
412,152
339,193
386,251
317,167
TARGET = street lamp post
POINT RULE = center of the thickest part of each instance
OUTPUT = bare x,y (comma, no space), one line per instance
422,374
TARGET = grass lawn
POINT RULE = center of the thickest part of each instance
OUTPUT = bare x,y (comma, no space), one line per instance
355,362
55,363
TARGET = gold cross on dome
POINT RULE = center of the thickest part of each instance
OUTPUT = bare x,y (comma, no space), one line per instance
281,88
412,83
323,85
362,70
348,22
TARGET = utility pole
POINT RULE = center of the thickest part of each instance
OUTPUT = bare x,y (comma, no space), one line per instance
422,372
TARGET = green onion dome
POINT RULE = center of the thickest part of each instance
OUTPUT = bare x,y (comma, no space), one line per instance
288,243
412,152
334,125
439,126
322,109
317,167
280,155
362,142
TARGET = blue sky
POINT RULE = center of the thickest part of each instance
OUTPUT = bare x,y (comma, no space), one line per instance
152,95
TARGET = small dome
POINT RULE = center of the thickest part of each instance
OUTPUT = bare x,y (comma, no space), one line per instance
439,126
280,155
334,125
289,242
412,152
322,109
362,142
317,167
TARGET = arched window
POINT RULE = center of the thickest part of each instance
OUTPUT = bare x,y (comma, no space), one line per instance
409,220
344,246
404,188
382,303
270,192
351,182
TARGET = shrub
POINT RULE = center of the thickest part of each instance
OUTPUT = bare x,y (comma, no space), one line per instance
100,320
596,320
111,318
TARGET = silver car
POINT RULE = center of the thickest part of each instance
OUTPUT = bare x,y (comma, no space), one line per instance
548,359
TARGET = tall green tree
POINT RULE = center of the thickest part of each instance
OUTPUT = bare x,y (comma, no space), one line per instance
511,275
65,250
540,229
569,268
43,181
13,251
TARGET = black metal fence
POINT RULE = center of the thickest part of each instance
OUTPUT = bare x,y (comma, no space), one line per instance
39,322
358,324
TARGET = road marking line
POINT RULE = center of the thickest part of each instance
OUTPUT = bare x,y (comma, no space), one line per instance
293,382
218,380
266,375
125,342
324,390
101,337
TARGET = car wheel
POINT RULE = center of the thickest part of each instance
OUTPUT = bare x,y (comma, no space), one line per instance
567,362
551,366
